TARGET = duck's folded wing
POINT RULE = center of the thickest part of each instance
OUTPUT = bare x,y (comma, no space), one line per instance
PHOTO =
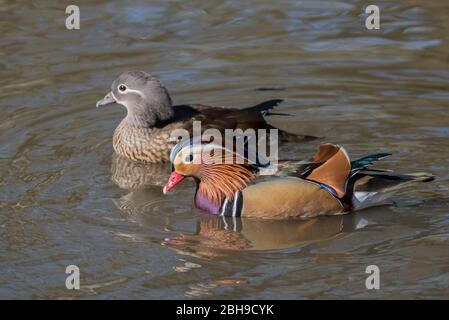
261,108
283,198
222,118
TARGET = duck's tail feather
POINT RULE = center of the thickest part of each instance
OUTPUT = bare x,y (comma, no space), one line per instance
364,162
265,106
374,187
284,136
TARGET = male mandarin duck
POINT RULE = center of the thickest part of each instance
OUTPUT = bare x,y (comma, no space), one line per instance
330,184
144,134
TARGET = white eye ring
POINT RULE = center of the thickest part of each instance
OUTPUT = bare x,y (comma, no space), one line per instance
122,88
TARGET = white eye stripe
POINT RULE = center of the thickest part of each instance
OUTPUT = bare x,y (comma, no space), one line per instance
194,154
118,101
135,91
127,90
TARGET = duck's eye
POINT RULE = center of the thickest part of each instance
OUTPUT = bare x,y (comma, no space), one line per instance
188,158
122,88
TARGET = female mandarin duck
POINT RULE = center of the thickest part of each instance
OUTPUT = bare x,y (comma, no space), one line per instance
144,134
329,184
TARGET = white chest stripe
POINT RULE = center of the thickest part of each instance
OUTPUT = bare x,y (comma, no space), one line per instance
223,207
234,204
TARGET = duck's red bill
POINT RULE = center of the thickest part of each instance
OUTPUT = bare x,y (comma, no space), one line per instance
174,179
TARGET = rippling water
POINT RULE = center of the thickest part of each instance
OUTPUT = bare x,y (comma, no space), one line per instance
64,198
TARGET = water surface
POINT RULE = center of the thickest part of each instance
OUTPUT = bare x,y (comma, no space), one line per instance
64,198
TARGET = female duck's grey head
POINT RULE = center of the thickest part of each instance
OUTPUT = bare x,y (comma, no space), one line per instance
145,98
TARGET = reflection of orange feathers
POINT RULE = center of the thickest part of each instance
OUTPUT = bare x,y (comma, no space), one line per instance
335,170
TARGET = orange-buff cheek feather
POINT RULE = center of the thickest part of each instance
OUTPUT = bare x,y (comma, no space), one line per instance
174,179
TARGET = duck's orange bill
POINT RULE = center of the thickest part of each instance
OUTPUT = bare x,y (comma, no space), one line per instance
174,179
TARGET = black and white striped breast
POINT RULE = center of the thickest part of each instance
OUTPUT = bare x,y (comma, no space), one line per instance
232,208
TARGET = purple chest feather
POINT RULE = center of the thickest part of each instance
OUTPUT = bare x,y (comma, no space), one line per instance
205,204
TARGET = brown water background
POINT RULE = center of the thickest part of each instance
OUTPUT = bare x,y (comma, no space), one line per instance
65,200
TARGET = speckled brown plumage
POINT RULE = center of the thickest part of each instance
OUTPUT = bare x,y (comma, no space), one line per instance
148,145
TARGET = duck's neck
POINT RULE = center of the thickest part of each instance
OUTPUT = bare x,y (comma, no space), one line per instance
219,183
203,202
149,116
